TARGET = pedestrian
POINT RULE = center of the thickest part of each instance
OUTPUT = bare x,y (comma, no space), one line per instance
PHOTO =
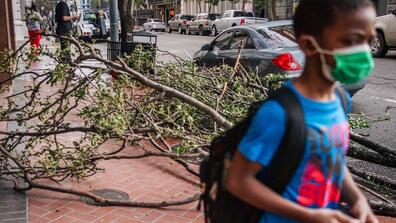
64,26
334,35
34,23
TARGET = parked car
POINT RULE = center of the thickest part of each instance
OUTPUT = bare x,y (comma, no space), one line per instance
154,24
89,27
231,18
386,35
201,23
179,23
264,48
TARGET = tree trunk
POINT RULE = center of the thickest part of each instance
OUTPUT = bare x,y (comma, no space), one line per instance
127,22
273,8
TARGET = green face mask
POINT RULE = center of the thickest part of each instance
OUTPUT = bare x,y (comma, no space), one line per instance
353,64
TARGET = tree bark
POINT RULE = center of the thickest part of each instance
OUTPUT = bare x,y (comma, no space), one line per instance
378,147
127,22
362,153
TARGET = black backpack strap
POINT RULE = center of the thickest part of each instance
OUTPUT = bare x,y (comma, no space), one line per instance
342,94
292,147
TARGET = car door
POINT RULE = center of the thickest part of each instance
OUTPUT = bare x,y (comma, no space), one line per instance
220,24
193,23
217,53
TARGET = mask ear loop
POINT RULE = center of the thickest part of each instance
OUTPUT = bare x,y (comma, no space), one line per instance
325,67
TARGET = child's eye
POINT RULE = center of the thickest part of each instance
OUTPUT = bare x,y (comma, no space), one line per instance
348,42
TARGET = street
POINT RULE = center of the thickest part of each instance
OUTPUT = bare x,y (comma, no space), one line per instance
379,98
376,101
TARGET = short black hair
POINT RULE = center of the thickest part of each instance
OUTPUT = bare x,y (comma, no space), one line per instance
313,16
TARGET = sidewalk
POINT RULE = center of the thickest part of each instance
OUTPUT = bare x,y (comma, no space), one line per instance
149,180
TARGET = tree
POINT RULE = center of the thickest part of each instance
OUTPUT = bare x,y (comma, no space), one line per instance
212,3
125,8
266,6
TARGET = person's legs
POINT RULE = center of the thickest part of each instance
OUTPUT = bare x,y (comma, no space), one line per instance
31,39
65,47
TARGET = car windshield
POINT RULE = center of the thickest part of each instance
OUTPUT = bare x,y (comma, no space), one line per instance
242,14
187,17
278,36
157,20
89,16
213,16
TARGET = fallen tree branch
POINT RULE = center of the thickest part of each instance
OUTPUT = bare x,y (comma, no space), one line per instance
378,147
362,153
105,202
149,154
385,181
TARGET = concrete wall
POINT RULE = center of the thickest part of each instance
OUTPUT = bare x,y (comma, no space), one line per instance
18,7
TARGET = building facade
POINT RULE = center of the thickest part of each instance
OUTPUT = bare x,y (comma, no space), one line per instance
166,9
85,4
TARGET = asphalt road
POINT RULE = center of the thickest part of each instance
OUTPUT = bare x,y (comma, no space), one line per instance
377,100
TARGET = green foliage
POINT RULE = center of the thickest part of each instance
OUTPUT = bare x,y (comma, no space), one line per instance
141,59
358,121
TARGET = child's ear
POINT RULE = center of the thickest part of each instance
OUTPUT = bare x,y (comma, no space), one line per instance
306,45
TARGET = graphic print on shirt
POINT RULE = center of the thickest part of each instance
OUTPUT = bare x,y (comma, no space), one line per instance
322,177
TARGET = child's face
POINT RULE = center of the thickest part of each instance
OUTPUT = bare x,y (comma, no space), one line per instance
349,29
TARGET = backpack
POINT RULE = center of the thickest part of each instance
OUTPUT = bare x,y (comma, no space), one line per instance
219,205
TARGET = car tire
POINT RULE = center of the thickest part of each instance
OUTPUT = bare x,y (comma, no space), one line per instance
169,29
378,46
213,31
201,31
180,30
188,32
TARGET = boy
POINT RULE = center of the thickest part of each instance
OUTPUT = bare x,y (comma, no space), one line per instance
334,36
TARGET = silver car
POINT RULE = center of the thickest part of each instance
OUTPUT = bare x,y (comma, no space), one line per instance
264,48
154,24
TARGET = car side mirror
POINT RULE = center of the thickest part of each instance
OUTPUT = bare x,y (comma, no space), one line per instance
207,47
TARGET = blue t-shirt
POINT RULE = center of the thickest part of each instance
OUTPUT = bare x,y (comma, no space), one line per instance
317,181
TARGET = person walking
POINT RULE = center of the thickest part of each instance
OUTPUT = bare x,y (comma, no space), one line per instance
34,23
334,35
63,21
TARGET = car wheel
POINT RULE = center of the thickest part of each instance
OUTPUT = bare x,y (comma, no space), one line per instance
201,31
180,30
378,46
214,31
169,29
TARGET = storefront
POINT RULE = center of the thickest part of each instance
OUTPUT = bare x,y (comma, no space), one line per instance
165,9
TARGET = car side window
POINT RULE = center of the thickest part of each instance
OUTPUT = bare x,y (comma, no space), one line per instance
221,43
241,40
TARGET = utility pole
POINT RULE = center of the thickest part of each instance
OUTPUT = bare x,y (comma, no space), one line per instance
114,20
